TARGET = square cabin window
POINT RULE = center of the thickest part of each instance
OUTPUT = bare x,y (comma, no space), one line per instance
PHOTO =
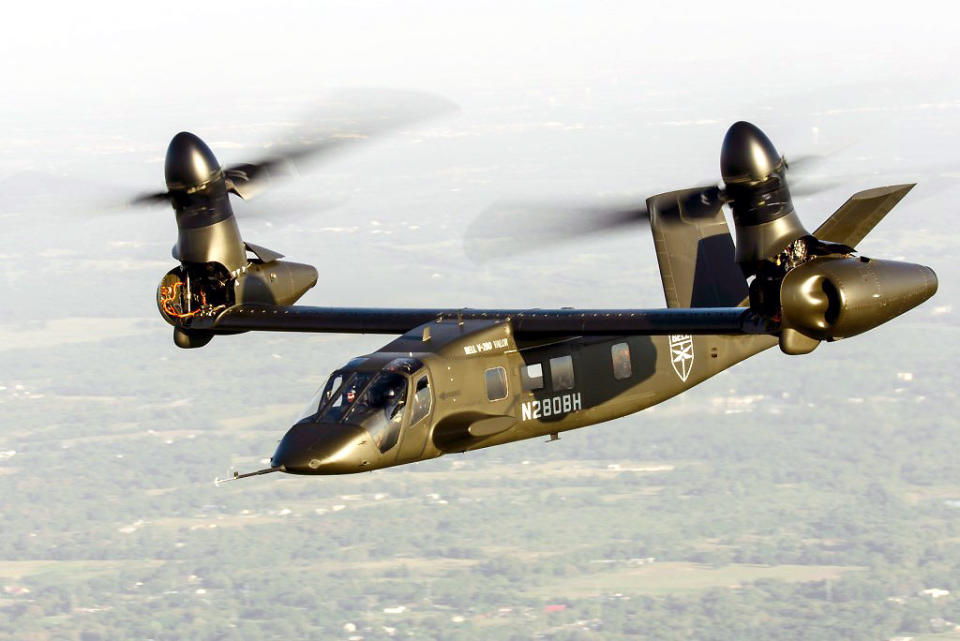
532,377
620,353
496,381
561,373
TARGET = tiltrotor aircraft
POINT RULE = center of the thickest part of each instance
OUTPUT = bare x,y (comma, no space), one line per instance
462,379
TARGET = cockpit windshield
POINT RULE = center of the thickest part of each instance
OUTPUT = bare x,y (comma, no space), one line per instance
342,395
331,400
374,401
379,409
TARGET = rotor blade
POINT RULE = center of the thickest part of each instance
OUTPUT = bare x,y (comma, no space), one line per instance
281,208
148,200
249,180
932,178
703,203
347,118
511,228
275,209
806,162
809,187
802,172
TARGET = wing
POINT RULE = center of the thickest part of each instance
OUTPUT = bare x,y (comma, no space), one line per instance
861,213
526,323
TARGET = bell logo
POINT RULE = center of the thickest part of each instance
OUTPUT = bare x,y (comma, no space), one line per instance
681,355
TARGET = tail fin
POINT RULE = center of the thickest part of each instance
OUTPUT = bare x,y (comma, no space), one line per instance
860,214
695,251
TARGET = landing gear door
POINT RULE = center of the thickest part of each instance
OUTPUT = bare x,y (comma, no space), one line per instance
414,437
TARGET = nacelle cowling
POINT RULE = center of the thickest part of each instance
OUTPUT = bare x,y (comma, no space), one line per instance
834,297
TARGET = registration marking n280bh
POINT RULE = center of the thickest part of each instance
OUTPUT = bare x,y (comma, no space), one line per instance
563,404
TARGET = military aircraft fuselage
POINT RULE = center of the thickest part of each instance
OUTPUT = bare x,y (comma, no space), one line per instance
453,386
463,379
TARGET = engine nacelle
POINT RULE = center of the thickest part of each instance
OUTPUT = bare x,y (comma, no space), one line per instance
215,272
834,297
198,290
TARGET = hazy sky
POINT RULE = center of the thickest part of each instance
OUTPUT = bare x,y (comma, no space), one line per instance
131,71
106,57
557,99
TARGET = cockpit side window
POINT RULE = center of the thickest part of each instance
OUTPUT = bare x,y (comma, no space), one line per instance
333,386
495,380
322,396
421,400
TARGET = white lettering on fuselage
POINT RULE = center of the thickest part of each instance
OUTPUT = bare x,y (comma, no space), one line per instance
554,406
485,346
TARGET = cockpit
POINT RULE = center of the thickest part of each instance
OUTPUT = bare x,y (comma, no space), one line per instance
363,395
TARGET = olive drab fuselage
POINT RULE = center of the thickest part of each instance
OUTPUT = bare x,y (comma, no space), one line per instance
486,389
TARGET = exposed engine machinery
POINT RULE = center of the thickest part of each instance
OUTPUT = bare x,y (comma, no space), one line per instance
216,270
186,292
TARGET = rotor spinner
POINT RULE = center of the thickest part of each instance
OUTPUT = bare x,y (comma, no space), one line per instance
747,155
207,229
190,164
754,173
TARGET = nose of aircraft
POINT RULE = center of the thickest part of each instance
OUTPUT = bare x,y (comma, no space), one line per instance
321,448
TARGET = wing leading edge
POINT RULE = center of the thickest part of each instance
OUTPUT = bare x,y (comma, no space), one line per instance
525,322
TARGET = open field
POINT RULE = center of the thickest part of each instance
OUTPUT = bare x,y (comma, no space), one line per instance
677,578
59,332
67,570
953,635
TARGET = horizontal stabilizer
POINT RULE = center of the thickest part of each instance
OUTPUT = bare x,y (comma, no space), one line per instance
860,214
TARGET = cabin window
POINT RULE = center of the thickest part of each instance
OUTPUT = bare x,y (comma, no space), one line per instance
496,381
561,373
620,353
421,400
532,377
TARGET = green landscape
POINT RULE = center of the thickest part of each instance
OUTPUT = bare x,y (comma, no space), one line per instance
790,498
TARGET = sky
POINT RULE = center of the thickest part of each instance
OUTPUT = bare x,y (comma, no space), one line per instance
558,101
113,59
